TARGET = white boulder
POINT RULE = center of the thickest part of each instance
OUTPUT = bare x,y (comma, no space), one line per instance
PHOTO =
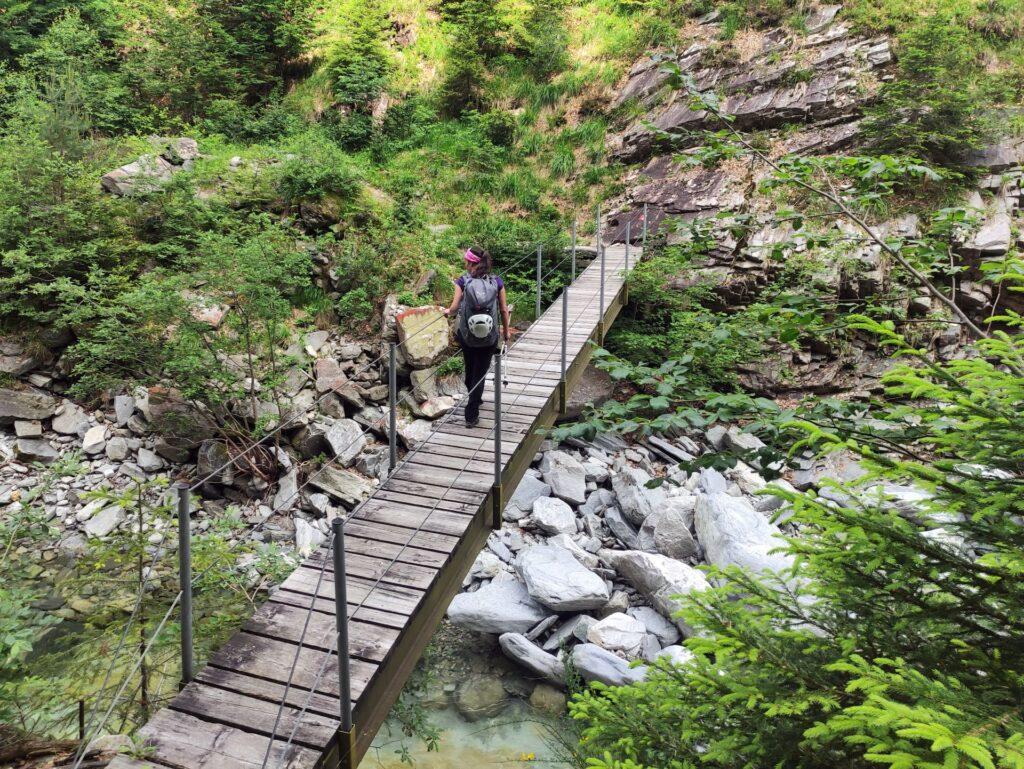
559,581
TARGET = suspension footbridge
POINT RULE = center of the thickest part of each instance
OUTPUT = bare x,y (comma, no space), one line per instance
278,695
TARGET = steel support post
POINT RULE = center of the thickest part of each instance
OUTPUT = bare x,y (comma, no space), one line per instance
345,736
393,408
496,490
188,671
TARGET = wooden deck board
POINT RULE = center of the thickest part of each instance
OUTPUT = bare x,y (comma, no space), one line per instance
407,550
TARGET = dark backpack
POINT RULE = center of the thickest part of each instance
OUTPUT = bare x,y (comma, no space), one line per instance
479,297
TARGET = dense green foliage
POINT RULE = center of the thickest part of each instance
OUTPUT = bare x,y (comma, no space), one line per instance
899,643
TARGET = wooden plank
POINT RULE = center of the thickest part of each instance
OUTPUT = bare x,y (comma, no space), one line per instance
387,570
418,495
250,714
482,464
271,692
185,742
456,479
402,550
123,762
324,603
431,490
273,660
285,623
438,520
390,598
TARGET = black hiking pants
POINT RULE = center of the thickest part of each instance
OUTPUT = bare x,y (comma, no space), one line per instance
478,361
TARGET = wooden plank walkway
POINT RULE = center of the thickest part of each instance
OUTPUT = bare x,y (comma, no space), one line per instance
408,548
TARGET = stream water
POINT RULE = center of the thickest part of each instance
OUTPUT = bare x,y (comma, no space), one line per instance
517,738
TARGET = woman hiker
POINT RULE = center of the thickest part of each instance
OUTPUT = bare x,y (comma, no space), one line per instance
479,296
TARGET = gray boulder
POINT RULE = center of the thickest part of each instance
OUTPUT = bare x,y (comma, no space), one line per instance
35,450
556,579
117,449
149,461
553,516
621,528
531,657
124,407
636,500
25,404
480,696
566,477
71,420
733,533
95,439
307,537
596,664
667,531
658,577
497,607
346,440
105,521
343,485
527,492
618,632
665,631
287,491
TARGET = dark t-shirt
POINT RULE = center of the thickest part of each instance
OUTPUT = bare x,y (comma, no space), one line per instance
461,282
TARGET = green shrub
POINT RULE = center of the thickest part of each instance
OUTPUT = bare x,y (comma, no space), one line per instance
318,169
355,305
898,643
938,106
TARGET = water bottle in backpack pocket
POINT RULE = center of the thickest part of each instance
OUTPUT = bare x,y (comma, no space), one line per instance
478,314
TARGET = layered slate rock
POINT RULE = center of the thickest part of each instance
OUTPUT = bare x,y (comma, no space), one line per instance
733,533
566,477
594,663
758,93
618,632
346,440
498,607
150,172
553,516
26,404
636,501
558,580
519,648
659,578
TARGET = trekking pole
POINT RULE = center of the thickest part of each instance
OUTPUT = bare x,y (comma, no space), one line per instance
539,280
393,408
185,583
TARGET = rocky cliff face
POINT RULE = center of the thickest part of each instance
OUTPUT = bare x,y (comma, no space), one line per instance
803,93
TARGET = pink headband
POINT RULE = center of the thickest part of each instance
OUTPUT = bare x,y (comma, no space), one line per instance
471,257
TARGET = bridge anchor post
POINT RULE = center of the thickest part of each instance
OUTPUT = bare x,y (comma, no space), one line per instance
573,248
601,255
497,503
563,390
392,409
346,738
185,584
625,272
